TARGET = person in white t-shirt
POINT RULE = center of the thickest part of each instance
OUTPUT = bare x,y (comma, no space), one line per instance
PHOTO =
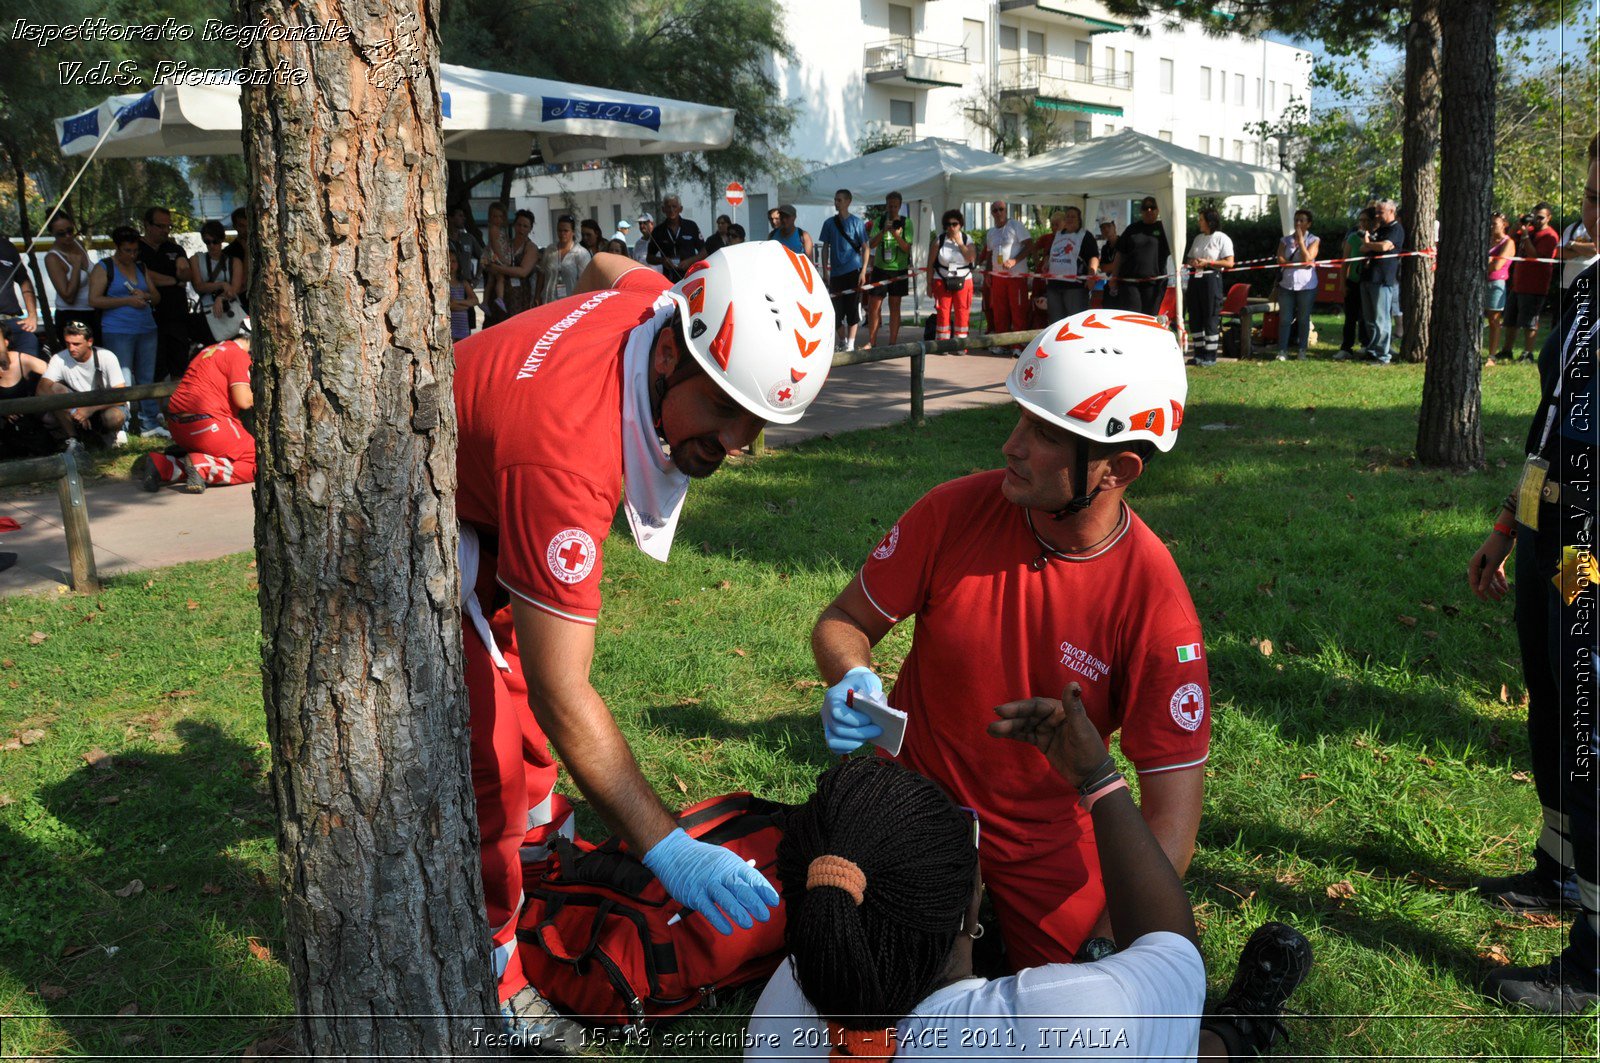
1577,251
1006,247
85,367
1072,259
883,911
1211,251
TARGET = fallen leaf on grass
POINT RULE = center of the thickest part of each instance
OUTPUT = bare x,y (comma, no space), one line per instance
52,992
1522,776
808,684
8,663
98,759
259,950
1265,647
1426,762
1306,775
37,637
1505,695
127,1010
1341,891
110,799
175,694
73,950
723,585
132,889
683,787
191,603
168,888
737,652
1495,954
1408,621
30,736
211,889
1429,634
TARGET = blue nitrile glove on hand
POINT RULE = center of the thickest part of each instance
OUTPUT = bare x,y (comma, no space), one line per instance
708,877
845,727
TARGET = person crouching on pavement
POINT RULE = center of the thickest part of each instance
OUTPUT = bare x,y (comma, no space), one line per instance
212,446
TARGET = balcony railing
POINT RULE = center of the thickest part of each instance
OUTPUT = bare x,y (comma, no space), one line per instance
1031,73
897,53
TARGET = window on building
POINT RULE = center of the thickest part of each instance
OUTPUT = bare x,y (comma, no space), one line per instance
1238,90
1222,147
1166,134
1110,60
1035,43
1205,145
1127,67
902,113
1238,151
1080,130
1081,56
972,40
1205,83
1258,92
900,21
1272,97
1166,76
1010,42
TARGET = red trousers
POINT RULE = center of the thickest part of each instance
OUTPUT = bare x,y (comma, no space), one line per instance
1005,304
220,447
1046,907
953,309
514,778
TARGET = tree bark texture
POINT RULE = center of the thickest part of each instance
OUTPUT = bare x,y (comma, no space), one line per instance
1419,192
387,943
1450,427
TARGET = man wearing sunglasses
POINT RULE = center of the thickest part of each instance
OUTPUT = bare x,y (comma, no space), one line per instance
1139,274
167,267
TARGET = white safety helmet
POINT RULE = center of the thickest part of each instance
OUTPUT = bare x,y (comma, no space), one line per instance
776,374
1112,376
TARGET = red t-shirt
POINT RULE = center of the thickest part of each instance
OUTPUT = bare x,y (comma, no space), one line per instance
539,458
205,384
991,630
1533,278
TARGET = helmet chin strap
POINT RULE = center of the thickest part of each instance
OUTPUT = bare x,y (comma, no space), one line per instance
1080,475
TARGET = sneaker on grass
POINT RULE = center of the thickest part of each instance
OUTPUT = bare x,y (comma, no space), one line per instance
1529,891
1547,987
535,1027
1272,965
155,431
1344,355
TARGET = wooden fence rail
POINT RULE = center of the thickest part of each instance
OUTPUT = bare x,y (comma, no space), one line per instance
63,469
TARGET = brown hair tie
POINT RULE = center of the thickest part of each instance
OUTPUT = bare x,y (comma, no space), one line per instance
836,871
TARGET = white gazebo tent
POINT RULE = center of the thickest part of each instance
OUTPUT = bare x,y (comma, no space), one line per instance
486,117
1128,164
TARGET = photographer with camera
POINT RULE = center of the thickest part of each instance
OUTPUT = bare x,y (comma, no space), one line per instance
1530,281
891,237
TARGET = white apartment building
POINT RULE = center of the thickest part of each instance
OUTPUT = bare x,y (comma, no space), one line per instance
915,68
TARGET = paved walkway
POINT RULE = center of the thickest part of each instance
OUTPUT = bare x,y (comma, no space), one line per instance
134,530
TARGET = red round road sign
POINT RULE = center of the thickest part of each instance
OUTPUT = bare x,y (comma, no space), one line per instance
735,192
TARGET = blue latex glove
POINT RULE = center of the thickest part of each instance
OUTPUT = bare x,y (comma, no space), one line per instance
845,727
708,877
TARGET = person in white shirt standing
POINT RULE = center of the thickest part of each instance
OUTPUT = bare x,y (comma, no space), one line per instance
1211,250
1006,247
641,246
85,367
1074,258
883,912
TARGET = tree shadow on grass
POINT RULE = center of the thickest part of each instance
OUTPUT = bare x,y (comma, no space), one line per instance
89,941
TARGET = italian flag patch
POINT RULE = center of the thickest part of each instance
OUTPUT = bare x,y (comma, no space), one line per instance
1189,653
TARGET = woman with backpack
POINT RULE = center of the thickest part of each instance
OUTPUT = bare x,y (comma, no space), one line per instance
951,258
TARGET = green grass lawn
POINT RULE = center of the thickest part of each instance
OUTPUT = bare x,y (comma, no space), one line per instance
1368,760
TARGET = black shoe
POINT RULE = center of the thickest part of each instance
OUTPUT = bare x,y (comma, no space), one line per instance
533,1026
193,482
145,471
1549,988
1530,892
1274,962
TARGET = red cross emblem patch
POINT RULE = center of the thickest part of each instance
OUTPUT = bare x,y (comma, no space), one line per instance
1188,706
1027,376
571,555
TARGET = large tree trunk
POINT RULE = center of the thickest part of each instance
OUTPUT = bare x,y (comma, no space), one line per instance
1419,193
1450,428
356,535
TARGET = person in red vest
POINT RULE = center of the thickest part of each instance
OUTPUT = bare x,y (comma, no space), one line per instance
211,446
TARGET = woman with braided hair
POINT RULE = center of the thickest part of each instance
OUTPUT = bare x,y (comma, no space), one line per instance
880,881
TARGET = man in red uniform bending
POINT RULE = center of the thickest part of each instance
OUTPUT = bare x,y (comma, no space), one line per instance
558,408
1023,580
210,444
